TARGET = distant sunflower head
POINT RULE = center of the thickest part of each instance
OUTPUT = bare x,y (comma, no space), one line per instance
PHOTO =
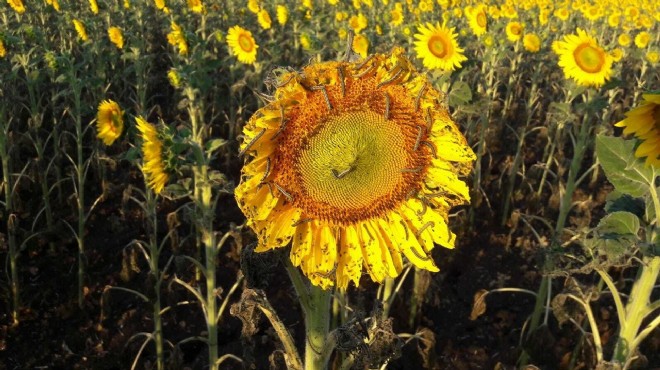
583,60
436,45
17,5
478,20
642,39
242,44
80,29
177,38
361,45
154,160
196,6
514,31
532,42
109,122
356,165
644,123
116,37
264,19
282,14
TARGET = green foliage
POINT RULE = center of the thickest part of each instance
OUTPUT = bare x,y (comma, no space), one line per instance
627,173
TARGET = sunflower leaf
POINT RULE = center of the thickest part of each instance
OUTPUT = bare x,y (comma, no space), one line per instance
627,173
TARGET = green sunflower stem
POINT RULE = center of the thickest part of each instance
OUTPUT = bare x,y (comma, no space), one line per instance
315,303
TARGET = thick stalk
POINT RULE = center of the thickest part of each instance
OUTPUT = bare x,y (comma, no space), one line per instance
155,273
636,307
317,326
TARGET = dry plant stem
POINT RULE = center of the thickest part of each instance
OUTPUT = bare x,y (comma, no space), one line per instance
636,309
315,303
565,205
9,211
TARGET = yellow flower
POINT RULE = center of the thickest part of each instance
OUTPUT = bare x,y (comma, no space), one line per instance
644,122
174,78
305,41
652,56
242,45
307,4
361,45
624,39
544,16
532,42
514,31
358,22
458,13
127,4
264,19
56,5
478,21
407,31
396,15
613,20
282,14
340,16
93,6
342,33
17,5
153,166
160,4
355,174
254,6
177,39
593,13
80,29
109,122
195,6
489,41
437,47
114,33
617,54
3,51
562,14
583,60
642,39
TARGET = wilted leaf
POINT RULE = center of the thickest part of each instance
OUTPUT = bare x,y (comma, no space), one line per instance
478,304
626,172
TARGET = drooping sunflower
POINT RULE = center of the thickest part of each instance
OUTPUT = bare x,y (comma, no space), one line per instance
583,60
478,20
242,44
154,168
644,123
116,37
177,39
436,45
282,14
17,5
356,165
264,19
514,31
109,122
80,29
94,6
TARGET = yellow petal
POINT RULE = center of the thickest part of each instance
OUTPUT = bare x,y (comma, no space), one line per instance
371,252
302,243
408,243
278,229
389,240
350,258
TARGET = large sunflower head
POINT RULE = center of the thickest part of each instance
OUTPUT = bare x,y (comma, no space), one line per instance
644,123
355,164
583,60
109,122
436,45
242,44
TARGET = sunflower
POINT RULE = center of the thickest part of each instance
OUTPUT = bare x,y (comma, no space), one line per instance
642,39
624,39
264,19
17,5
242,44
514,31
396,15
114,33
361,45
282,14
437,47
254,6
478,20
93,6
160,4
80,29
109,122
153,166
356,164
174,78
652,56
3,51
617,54
644,122
177,39
562,14
196,6
358,22
532,42
583,60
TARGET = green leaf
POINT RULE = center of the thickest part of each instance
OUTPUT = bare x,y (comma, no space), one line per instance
212,145
460,94
617,201
619,223
628,174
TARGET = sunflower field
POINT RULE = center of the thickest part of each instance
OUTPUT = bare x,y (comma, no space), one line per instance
328,184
